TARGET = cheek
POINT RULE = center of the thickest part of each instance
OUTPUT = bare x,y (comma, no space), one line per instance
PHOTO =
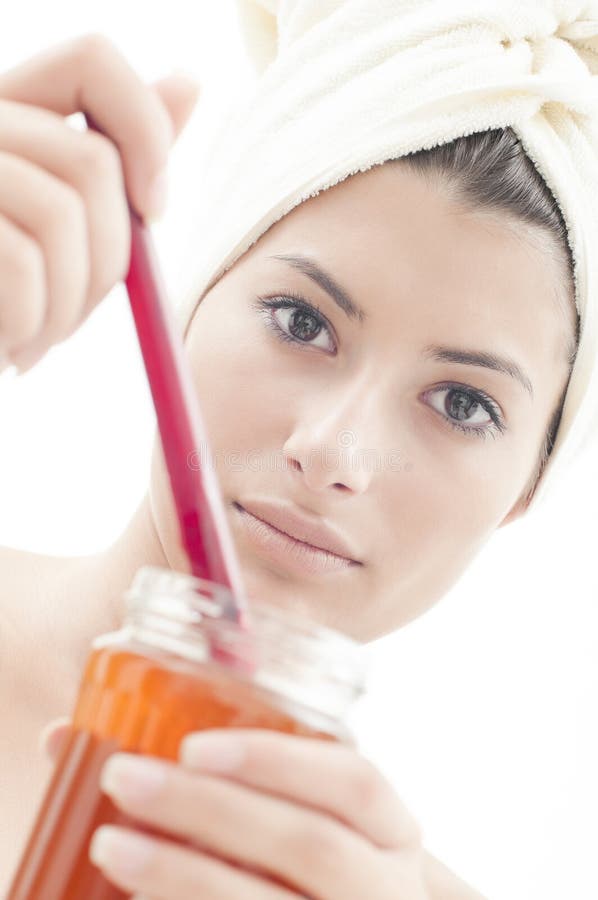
235,374
232,374
432,530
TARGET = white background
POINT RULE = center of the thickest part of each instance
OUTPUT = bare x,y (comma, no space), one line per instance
482,712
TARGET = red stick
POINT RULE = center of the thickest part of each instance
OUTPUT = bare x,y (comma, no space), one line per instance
204,530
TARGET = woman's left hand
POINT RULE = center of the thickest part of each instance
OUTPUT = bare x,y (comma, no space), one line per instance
260,815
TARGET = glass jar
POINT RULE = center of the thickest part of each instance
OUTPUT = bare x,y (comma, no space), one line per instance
176,666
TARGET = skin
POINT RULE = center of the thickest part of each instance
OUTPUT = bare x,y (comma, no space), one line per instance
466,279
424,271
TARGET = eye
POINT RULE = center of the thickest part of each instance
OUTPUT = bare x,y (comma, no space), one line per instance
296,321
467,409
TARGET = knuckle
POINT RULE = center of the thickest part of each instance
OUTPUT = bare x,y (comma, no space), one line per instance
25,273
413,831
62,206
365,787
94,45
373,797
110,258
26,260
97,157
317,846
102,186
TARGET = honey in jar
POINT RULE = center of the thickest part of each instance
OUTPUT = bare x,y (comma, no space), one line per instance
178,665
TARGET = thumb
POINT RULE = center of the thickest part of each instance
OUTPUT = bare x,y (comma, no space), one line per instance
54,736
179,93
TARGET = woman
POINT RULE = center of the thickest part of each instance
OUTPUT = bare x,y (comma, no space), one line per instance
357,334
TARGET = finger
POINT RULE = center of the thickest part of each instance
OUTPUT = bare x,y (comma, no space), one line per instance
54,736
90,164
89,74
5,361
22,287
52,215
313,852
326,776
162,869
179,94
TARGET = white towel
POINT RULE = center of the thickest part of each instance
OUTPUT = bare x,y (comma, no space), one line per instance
343,85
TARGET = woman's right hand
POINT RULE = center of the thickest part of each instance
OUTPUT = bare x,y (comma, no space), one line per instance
64,217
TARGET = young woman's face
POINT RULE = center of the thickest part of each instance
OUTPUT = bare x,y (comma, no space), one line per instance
416,459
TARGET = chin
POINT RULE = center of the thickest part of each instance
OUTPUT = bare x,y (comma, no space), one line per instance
269,586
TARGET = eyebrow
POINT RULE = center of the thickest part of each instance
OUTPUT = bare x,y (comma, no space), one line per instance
308,266
486,360
326,281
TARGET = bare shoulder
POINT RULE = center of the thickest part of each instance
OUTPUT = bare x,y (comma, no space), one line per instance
20,566
24,672
19,577
25,608
35,687
22,576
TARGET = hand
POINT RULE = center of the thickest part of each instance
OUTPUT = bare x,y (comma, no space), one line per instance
288,817
65,231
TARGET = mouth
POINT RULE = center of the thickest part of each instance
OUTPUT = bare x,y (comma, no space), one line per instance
290,552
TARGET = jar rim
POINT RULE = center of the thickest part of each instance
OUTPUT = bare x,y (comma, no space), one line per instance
190,599
162,576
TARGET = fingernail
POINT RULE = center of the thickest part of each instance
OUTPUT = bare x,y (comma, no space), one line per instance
49,730
26,360
132,777
119,850
157,197
218,753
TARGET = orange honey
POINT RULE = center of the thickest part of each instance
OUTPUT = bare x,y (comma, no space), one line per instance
148,685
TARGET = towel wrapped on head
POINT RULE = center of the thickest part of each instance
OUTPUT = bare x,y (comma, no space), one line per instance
344,85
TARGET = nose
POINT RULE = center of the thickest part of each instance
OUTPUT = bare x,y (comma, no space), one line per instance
326,450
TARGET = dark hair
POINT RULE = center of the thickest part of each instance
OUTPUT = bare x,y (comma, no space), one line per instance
489,171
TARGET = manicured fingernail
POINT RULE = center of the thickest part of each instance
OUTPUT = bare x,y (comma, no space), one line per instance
47,737
132,777
158,197
216,752
26,360
119,850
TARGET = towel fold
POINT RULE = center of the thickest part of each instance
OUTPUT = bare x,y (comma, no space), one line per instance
342,86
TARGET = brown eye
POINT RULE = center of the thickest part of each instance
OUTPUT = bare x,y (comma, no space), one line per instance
467,410
303,325
461,405
297,322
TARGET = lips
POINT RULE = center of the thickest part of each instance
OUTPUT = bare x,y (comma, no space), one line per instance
313,532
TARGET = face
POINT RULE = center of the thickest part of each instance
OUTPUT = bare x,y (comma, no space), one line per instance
414,457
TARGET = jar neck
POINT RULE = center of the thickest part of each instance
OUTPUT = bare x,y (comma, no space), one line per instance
292,656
